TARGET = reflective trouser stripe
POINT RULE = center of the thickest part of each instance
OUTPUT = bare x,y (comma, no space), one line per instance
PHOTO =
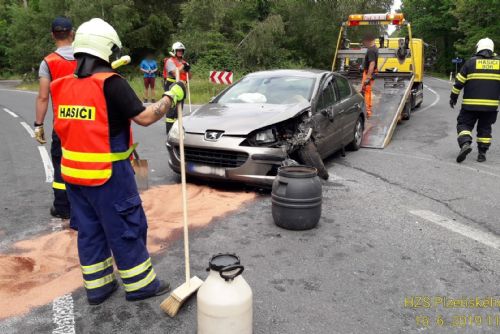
86,173
97,283
461,78
455,90
483,76
484,140
94,268
97,157
58,185
140,284
481,102
139,269
465,133
170,120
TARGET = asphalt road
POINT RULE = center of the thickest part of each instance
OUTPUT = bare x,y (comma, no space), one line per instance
400,222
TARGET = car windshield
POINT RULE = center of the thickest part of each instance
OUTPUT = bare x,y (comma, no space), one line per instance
273,90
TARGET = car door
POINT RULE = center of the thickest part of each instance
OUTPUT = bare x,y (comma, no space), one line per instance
328,128
349,108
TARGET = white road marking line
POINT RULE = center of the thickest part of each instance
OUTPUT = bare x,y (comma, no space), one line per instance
29,129
13,114
63,315
469,232
436,100
18,91
47,164
445,81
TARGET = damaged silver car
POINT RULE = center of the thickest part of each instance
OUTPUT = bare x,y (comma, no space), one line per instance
268,119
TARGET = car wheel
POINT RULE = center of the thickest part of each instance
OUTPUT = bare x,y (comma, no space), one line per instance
358,135
309,156
407,111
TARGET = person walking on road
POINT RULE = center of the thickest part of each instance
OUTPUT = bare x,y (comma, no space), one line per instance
175,62
54,66
480,79
93,110
369,70
149,68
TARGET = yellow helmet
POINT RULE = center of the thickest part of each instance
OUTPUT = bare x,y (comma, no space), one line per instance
98,38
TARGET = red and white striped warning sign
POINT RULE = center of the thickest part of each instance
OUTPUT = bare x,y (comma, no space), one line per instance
221,77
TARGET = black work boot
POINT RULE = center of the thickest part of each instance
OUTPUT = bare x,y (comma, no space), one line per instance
464,151
100,300
162,289
58,214
481,157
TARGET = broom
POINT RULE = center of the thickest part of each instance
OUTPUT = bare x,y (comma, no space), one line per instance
173,303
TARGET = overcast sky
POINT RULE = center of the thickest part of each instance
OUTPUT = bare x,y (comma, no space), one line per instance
395,6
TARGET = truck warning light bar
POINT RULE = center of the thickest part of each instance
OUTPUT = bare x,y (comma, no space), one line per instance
368,19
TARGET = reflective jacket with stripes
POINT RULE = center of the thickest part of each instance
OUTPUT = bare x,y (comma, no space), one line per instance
480,79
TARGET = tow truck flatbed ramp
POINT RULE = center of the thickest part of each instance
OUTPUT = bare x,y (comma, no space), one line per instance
389,95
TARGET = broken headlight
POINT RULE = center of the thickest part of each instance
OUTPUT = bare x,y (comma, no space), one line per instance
265,137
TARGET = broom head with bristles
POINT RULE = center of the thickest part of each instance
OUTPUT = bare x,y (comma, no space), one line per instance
173,303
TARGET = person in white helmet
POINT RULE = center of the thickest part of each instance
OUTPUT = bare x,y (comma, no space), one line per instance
175,62
480,80
93,111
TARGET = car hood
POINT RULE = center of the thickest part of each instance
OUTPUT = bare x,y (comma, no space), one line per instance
240,118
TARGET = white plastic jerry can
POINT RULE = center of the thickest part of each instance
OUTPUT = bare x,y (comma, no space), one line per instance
225,299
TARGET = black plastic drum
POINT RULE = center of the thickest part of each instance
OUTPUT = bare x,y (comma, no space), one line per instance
296,197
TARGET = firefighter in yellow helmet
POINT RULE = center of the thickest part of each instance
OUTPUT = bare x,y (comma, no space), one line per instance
480,80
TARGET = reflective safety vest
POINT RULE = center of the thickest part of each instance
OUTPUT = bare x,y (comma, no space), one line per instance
81,121
182,75
59,66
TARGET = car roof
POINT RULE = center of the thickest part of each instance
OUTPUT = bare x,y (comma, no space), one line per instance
306,73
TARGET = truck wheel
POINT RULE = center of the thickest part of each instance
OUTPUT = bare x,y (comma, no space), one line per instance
358,135
407,111
309,156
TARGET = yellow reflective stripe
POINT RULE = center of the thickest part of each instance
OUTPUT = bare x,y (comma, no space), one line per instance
58,185
484,140
465,133
92,269
171,79
97,157
461,78
455,90
139,269
481,102
142,283
170,120
484,76
86,173
97,283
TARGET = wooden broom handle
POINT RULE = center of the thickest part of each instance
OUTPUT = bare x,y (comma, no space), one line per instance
183,185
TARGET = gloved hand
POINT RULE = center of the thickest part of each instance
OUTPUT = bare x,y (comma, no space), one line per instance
187,67
40,133
177,93
453,100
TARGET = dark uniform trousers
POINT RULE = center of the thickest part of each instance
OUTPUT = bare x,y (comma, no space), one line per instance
61,202
465,124
111,224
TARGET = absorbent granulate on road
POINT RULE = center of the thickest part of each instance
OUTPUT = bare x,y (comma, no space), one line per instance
46,267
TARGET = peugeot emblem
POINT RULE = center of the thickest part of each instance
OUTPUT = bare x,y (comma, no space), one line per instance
213,135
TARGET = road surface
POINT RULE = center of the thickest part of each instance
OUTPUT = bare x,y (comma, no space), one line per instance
400,226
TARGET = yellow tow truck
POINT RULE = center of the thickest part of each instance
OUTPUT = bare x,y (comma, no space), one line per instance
398,86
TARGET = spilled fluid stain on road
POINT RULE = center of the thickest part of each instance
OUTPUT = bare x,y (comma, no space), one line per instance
46,267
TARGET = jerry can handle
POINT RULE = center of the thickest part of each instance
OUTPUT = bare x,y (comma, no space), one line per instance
231,268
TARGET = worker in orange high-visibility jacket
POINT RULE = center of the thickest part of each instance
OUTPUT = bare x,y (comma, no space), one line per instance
369,70
93,110
172,64
54,66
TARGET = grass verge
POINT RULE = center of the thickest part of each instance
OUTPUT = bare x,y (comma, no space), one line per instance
201,89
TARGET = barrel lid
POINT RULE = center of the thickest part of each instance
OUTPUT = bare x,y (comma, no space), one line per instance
221,261
297,171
